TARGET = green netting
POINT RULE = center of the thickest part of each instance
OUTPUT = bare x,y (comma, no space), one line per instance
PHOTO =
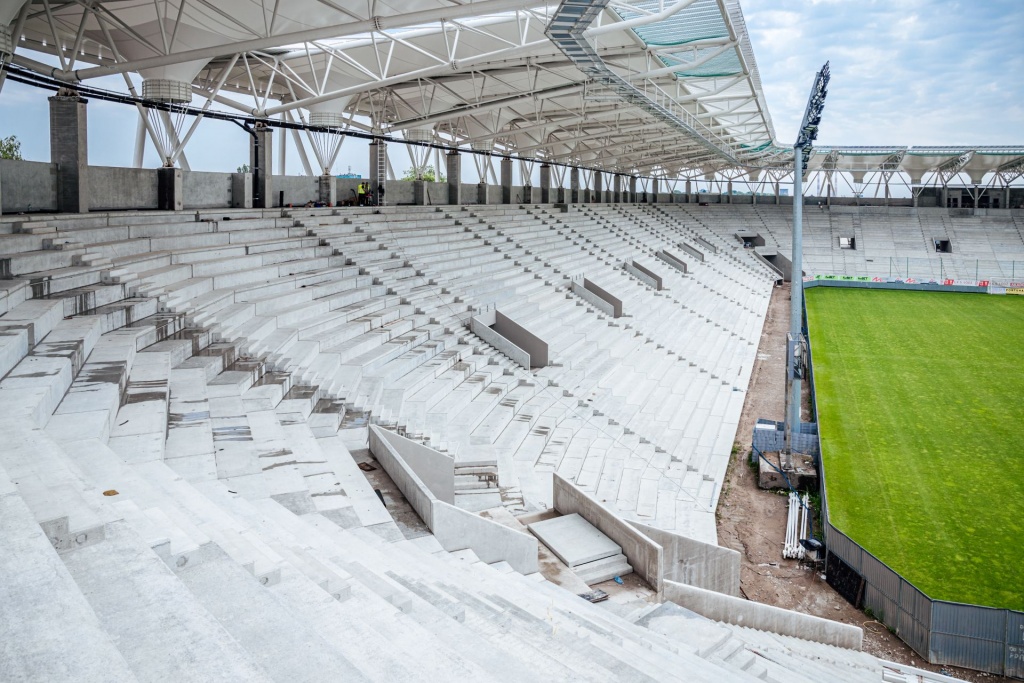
725,64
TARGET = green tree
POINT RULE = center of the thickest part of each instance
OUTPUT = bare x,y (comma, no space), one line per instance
427,173
244,168
10,148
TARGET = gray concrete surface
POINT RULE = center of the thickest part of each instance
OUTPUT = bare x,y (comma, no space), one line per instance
740,612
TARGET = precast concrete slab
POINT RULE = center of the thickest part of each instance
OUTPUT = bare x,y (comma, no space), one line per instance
574,540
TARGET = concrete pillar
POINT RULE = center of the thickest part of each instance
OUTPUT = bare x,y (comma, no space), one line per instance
453,162
170,189
261,153
689,191
378,170
506,180
574,185
481,192
729,191
598,189
617,189
69,150
327,189
545,184
419,192
632,188
654,191
777,193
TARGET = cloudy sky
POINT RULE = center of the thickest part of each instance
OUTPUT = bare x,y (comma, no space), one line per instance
904,72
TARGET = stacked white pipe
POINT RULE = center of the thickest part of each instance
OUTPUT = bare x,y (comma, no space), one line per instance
797,526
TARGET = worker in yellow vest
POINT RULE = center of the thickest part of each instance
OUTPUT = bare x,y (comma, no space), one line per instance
361,191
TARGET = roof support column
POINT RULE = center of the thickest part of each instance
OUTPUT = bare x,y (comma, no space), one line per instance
617,189
69,150
545,184
261,158
598,188
506,180
654,191
574,185
453,163
632,189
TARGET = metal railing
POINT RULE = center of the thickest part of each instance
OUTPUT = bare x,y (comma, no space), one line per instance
955,268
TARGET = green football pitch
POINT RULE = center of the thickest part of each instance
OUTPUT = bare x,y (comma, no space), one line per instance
921,415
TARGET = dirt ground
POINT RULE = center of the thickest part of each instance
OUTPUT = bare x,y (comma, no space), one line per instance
753,521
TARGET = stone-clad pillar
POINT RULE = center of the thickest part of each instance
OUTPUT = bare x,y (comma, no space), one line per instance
69,150
261,158
598,187
506,180
453,161
574,185
545,184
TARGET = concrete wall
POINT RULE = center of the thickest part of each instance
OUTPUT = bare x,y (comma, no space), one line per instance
457,529
599,297
206,190
740,612
672,260
695,563
411,486
704,244
436,470
480,325
644,555
298,189
692,251
122,188
523,338
27,186
644,275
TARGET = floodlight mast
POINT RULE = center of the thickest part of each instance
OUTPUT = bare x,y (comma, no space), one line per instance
794,356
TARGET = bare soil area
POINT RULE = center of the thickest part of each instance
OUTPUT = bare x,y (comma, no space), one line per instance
753,521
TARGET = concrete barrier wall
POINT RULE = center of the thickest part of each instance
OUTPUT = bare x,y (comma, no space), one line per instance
644,555
598,296
27,186
298,189
523,338
740,612
707,246
411,486
692,251
206,190
480,325
436,470
591,298
457,529
695,563
122,188
644,274
673,260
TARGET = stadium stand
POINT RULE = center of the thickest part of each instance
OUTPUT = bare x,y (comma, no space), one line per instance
174,475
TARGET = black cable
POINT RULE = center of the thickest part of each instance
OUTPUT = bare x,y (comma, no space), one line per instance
27,77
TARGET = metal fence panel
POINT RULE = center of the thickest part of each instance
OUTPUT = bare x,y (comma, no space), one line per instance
885,580
972,621
915,617
969,636
1014,644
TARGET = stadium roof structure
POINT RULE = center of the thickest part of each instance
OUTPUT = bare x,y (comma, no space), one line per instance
641,87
